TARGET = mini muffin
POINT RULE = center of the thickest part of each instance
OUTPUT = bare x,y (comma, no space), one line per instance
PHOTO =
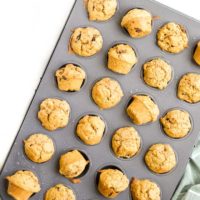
107,93
70,78
22,185
157,73
39,148
172,38
54,114
86,41
196,55
189,88
126,142
142,110
60,192
138,23
121,58
176,123
160,158
112,182
101,10
90,129
145,190
72,164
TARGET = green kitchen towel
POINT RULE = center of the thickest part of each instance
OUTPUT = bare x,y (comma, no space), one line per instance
189,187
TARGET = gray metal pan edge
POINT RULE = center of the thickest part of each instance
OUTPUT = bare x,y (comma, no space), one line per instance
101,155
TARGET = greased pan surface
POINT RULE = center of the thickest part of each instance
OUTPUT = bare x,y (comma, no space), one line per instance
101,155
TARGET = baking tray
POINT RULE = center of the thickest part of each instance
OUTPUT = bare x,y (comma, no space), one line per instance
81,103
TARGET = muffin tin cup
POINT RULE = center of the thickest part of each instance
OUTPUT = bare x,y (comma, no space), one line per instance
85,155
187,33
102,22
166,173
131,158
32,162
191,121
172,74
107,166
90,114
77,65
130,99
134,49
70,50
141,7
99,79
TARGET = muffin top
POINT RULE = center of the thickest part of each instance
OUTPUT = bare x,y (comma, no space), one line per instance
142,110
101,10
86,41
121,58
72,164
172,38
112,182
176,123
126,142
70,78
160,158
54,114
60,192
90,129
39,148
189,88
144,190
138,23
107,93
157,73
25,180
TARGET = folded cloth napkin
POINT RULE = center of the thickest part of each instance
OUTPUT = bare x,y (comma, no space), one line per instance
189,187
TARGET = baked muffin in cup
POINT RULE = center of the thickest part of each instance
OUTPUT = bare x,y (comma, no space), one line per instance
137,22
112,182
121,58
60,192
86,41
101,10
22,185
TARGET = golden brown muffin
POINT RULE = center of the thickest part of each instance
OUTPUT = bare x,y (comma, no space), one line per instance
138,23
189,88
22,185
101,10
72,164
142,110
107,93
160,158
60,192
54,114
172,38
176,123
112,182
126,142
196,55
157,73
121,58
145,190
70,78
90,129
86,41
39,148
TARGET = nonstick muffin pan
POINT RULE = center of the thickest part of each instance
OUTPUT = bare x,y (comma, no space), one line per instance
81,103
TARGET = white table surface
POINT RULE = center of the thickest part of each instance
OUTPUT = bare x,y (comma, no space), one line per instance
28,33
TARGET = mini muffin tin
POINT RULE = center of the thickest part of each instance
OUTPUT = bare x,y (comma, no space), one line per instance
81,102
